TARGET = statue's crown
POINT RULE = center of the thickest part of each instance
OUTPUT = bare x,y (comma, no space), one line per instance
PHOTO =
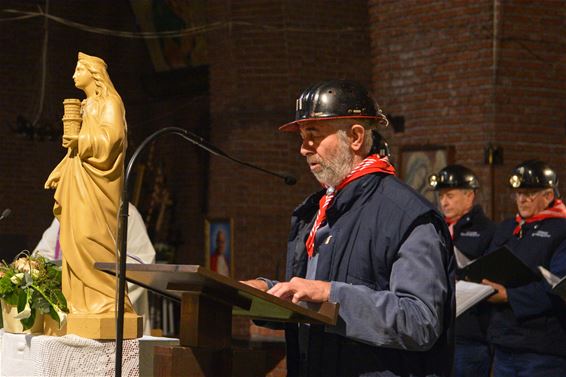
92,59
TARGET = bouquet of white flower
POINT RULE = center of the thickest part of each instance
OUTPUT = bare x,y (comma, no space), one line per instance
33,285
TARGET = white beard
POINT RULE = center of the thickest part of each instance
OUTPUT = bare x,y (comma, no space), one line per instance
336,167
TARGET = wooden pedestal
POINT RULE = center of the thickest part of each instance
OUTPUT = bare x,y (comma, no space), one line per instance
96,326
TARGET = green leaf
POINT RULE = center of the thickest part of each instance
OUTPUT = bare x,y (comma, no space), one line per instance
54,315
28,322
62,302
22,300
12,299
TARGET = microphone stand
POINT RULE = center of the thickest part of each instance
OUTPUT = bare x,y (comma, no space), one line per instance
123,219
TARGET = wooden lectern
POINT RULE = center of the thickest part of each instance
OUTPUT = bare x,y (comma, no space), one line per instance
208,302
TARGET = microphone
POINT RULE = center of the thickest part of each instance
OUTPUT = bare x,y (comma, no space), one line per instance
290,180
5,213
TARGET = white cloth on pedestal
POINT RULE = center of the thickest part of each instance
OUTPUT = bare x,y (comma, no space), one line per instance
71,355
16,355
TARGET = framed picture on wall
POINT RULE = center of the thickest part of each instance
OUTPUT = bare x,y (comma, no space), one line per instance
219,245
418,162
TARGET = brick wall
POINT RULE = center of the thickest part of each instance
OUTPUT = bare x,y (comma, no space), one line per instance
269,54
432,65
474,73
462,74
530,120
272,51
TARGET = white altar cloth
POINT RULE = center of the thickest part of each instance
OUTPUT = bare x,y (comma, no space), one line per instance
71,355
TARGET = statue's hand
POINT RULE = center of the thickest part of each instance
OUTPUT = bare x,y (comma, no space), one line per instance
52,181
70,141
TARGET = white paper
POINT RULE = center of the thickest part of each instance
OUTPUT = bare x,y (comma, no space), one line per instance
468,294
461,259
558,285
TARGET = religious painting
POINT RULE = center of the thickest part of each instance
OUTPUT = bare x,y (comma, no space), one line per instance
417,163
183,23
219,245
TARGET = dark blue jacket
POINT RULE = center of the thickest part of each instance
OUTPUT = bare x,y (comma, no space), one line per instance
396,301
472,236
473,233
534,319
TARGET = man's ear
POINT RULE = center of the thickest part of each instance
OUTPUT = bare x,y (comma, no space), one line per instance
550,197
357,136
472,195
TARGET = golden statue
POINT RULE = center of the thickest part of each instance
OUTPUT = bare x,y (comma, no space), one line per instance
88,182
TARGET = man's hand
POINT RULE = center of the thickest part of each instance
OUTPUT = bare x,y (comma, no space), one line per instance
70,141
500,295
302,290
256,283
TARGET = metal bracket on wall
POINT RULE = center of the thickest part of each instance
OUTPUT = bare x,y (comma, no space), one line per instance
493,155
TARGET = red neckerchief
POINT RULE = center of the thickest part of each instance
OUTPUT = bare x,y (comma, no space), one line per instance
451,224
371,164
557,211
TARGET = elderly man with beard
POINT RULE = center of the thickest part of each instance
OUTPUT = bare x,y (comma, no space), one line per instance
367,242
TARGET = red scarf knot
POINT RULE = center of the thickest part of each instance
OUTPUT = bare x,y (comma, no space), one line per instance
557,211
451,223
371,164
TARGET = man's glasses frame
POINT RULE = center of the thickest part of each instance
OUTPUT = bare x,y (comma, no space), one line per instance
529,194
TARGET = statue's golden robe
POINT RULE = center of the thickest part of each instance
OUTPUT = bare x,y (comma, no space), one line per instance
86,203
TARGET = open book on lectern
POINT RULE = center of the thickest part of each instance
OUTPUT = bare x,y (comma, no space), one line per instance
500,266
558,285
171,280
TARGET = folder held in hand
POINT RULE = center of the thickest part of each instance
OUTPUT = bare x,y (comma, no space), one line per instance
500,266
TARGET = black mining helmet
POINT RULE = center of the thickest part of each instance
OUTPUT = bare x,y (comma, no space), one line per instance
454,176
335,99
533,174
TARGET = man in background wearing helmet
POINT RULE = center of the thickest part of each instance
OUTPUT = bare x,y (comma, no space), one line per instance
471,233
367,242
528,323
